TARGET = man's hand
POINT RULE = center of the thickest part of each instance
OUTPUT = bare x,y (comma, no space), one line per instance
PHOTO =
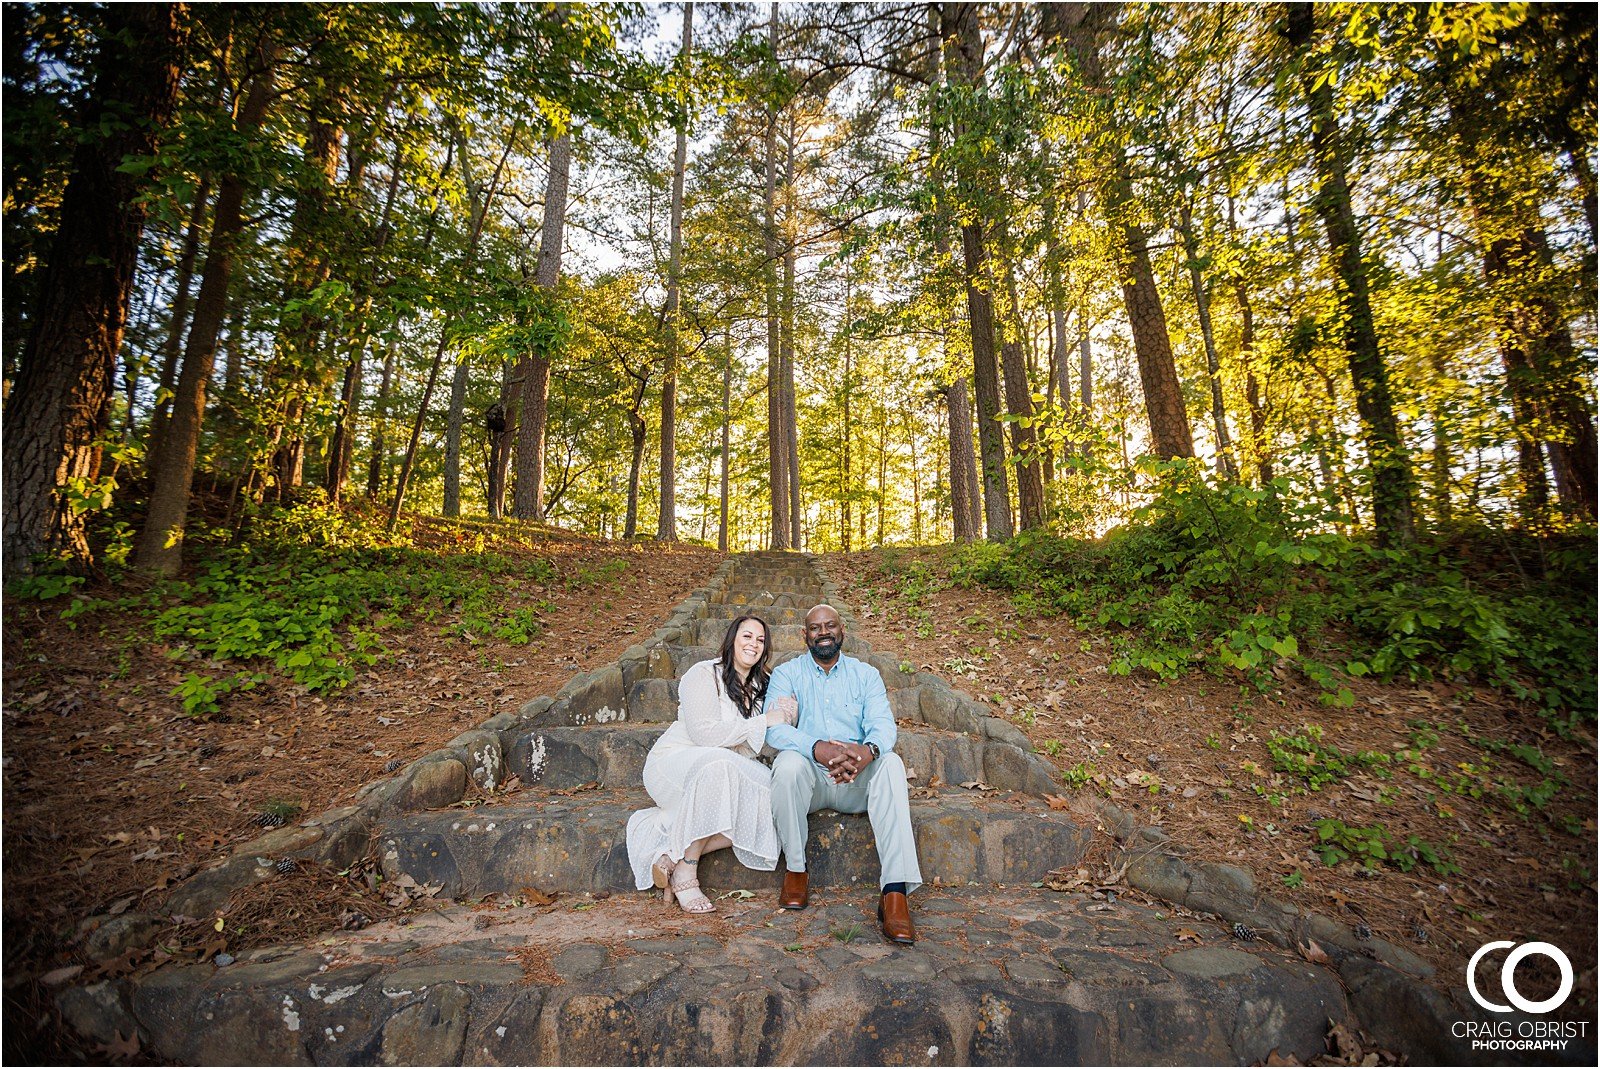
843,760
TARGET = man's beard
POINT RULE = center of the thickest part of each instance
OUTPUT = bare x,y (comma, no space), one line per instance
824,649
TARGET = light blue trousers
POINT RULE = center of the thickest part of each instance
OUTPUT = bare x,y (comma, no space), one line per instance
800,787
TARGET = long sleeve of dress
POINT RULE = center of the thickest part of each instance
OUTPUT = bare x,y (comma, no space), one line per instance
713,720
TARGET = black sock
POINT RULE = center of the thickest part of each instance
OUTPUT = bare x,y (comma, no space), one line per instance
894,888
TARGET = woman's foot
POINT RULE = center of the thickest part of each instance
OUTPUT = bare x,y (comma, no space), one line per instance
661,872
684,885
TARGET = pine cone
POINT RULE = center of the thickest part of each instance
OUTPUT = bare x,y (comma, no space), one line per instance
1244,932
286,866
392,764
269,819
1363,931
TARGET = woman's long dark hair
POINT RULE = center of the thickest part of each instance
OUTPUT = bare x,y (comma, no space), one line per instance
747,693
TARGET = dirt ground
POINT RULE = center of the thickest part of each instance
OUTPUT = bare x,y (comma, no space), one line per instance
111,794
1190,755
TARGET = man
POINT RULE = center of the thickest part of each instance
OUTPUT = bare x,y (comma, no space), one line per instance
840,755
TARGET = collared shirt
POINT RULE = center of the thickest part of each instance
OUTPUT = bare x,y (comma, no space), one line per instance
846,703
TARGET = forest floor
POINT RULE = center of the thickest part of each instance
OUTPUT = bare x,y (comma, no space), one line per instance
1192,756
112,793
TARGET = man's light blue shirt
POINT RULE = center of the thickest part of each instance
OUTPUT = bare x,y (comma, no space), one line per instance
847,703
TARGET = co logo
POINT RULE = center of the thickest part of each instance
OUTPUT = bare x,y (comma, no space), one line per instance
1508,976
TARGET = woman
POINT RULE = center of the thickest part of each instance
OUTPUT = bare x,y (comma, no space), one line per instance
709,789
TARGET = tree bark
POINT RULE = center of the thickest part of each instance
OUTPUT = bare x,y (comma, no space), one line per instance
380,425
172,347
777,439
667,521
959,28
1386,453
532,420
1019,406
60,402
727,411
1202,304
963,464
160,548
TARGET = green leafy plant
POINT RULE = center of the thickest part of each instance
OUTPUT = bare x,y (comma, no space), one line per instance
1303,755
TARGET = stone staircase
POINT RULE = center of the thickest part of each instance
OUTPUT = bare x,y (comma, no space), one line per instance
580,763
1003,973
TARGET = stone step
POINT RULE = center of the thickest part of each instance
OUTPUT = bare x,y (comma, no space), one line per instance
782,597
577,843
612,755
786,638
997,977
773,616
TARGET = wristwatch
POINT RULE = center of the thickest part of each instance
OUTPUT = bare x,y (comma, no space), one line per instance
876,753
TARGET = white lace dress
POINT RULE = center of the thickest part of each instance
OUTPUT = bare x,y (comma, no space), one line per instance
704,778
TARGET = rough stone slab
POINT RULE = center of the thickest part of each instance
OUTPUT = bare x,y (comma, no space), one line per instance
558,758
578,845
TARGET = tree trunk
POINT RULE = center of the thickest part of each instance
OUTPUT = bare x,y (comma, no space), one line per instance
638,431
727,412
172,347
963,464
160,548
380,425
60,401
959,27
1019,405
1202,304
791,434
468,262
452,440
1386,453
777,439
667,521
535,408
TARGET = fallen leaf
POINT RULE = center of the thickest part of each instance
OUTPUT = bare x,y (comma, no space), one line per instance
1274,1058
738,893
535,897
61,975
1345,1044
1058,801
120,1047
977,785
121,905
1187,935
1314,953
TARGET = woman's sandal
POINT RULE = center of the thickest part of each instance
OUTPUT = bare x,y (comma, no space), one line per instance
661,872
695,900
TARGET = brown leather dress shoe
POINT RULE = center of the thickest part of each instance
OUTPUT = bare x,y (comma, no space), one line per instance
894,915
796,893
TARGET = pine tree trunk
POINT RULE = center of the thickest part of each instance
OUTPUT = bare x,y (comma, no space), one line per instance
727,419
1019,404
667,521
1386,453
535,407
638,431
160,547
452,440
172,347
59,404
1202,304
959,28
964,512
380,425
777,439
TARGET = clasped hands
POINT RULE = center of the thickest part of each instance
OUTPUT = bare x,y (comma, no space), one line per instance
843,760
